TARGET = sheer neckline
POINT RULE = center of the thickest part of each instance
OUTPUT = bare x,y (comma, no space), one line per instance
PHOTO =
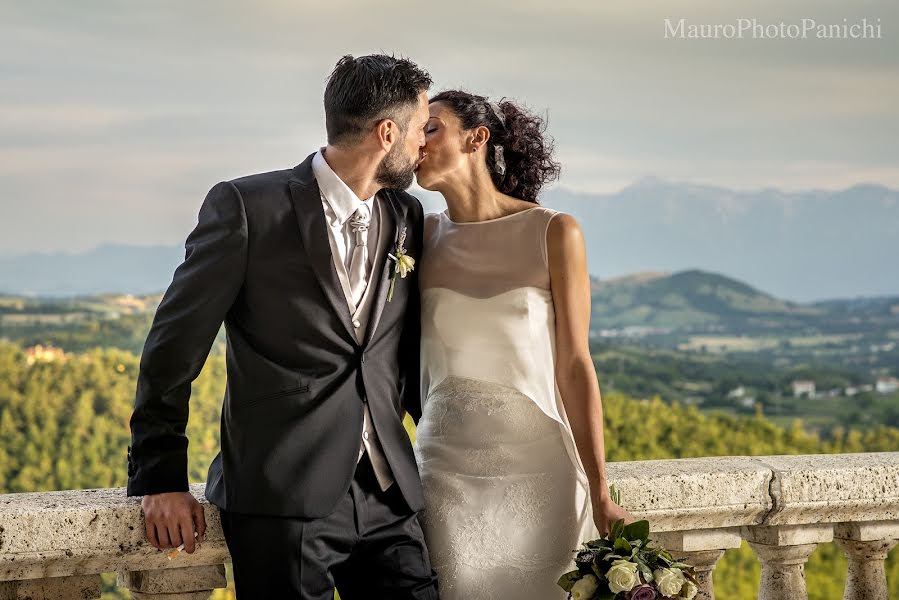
445,214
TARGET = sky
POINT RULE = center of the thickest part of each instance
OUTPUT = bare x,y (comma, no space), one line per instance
117,117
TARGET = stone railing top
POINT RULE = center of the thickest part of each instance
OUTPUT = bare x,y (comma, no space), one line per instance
705,493
49,534
53,534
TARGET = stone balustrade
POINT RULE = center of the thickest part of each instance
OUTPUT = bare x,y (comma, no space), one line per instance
54,545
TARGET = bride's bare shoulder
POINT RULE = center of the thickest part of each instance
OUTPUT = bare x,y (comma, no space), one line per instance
564,239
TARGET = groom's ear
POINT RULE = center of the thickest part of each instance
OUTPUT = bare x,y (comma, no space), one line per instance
388,133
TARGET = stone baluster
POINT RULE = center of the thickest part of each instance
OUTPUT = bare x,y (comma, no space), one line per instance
182,583
783,551
72,587
702,549
866,546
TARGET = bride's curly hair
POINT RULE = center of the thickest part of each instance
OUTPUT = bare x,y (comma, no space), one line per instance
526,150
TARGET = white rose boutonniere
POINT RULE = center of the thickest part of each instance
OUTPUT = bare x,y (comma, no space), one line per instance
403,263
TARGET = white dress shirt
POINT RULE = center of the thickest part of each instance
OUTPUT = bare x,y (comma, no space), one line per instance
339,203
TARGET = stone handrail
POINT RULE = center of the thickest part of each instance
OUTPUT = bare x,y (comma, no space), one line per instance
54,545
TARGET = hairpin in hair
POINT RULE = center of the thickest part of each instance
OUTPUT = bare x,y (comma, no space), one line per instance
498,113
499,159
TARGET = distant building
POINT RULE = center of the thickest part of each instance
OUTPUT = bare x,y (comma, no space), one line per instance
43,354
737,392
803,387
130,303
886,385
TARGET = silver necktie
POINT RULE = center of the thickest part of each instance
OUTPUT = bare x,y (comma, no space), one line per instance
359,226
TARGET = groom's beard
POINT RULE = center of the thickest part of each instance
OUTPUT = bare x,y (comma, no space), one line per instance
394,172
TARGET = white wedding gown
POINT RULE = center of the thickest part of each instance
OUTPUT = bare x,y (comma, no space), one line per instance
506,497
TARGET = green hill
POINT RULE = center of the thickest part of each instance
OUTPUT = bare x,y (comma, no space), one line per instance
691,299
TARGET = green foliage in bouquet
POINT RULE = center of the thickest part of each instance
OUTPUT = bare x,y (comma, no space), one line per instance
625,564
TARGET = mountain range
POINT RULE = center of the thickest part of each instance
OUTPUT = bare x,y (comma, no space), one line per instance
803,246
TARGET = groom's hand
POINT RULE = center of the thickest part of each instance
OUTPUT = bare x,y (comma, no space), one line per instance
170,518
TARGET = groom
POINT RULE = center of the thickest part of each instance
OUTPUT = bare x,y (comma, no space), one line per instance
316,481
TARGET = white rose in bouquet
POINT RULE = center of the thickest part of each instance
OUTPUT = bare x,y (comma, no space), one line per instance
669,581
689,590
584,588
622,576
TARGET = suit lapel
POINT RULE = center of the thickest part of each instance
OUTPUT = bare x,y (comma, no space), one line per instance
307,205
395,220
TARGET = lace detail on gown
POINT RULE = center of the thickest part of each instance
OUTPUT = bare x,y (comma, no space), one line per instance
496,478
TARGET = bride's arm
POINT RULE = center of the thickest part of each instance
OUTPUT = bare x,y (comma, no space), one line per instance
575,373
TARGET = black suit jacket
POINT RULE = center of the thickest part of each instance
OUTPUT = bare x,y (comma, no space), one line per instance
259,260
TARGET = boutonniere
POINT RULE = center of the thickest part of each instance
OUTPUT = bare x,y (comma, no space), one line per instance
402,262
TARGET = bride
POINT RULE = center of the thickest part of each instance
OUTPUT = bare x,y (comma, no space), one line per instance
510,441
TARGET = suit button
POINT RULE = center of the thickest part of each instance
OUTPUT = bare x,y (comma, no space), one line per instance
357,324
365,434
362,357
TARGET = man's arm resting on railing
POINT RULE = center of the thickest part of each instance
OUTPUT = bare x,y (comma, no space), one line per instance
189,316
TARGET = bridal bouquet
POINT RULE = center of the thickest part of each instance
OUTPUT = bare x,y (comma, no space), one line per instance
625,565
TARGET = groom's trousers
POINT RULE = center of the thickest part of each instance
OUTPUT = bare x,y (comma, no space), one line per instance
370,547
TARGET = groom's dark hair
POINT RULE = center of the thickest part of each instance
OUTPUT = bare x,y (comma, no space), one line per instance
361,91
